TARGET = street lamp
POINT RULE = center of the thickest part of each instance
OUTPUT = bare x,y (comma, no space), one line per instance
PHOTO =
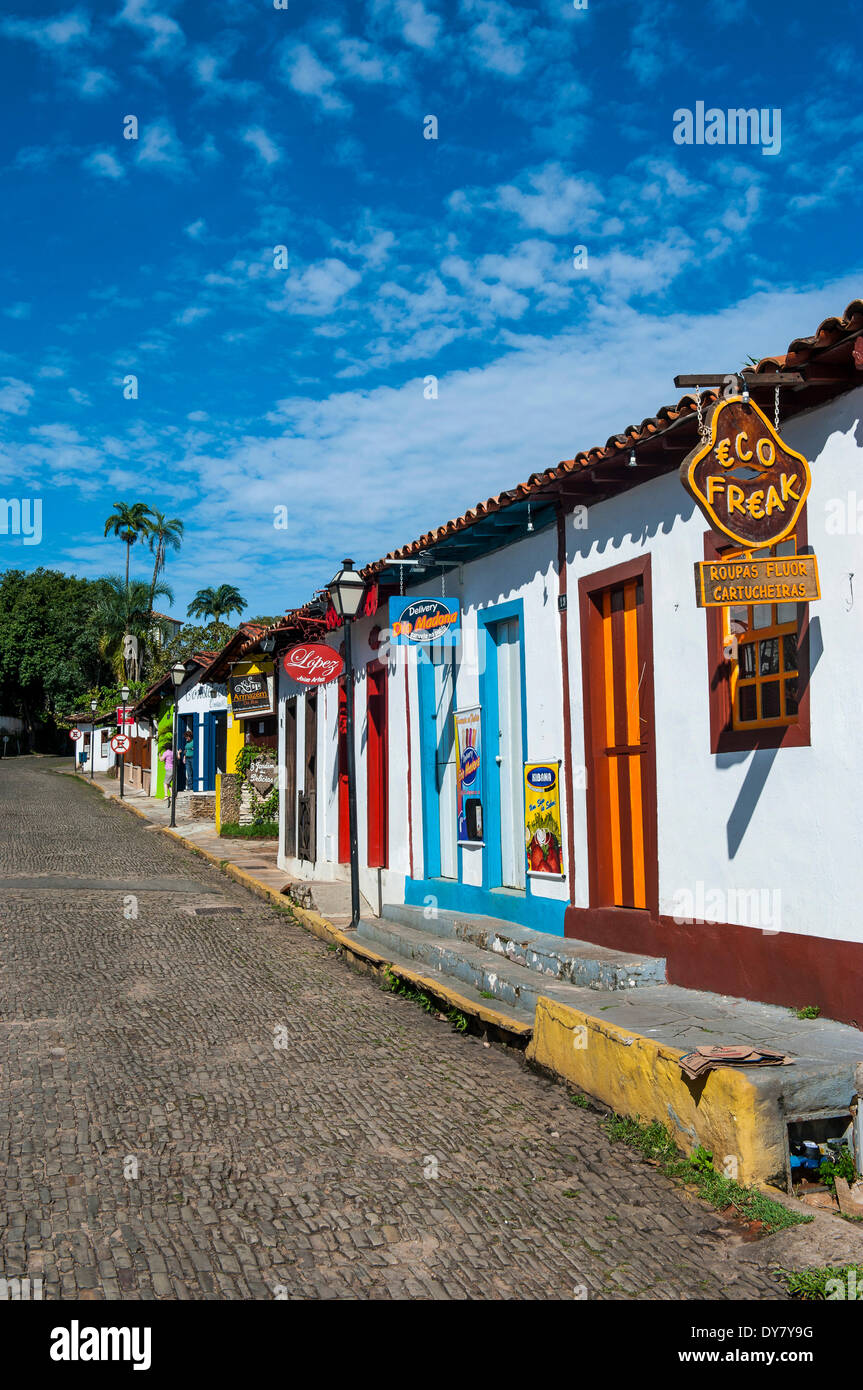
346,592
124,696
178,675
94,705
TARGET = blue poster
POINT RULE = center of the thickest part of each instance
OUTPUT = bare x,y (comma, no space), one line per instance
420,621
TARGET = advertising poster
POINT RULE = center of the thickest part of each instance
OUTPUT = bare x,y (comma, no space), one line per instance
542,834
468,725
419,621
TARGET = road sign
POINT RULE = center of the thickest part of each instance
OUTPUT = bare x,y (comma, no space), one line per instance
75,734
129,717
120,743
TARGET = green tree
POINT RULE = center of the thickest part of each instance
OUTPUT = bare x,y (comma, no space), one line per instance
131,522
216,603
164,534
49,647
123,609
189,640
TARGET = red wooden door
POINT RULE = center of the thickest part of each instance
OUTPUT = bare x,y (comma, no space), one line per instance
376,764
344,822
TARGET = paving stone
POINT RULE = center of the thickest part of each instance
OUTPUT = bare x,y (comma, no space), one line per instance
260,1165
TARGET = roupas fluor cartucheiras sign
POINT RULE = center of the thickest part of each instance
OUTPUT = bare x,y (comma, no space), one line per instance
747,481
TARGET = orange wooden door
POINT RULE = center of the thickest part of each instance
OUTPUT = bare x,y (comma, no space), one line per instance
619,742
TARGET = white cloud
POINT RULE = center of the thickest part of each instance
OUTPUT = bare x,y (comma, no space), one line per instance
159,148
79,397
555,201
105,164
164,33
15,396
306,74
61,32
260,141
18,311
192,315
95,82
317,289
411,19
196,230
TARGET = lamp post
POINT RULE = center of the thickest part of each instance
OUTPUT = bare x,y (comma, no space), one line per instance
94,705
124,696
346,592
178,675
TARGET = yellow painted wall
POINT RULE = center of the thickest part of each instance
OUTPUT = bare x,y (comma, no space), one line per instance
236,727
728,1113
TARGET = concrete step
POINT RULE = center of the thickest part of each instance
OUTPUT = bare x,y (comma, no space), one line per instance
459,961
554,957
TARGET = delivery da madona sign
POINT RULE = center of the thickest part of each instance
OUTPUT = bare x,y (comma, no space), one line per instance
418,621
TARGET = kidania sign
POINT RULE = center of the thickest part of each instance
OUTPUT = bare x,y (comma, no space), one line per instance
423,620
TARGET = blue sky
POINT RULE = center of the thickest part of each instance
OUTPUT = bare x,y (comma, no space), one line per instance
407,257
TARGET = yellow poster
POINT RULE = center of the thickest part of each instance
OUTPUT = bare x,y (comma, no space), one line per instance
542,834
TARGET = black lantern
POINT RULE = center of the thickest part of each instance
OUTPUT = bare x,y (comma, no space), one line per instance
346,592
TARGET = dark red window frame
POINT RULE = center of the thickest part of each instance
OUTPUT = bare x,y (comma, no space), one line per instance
724,739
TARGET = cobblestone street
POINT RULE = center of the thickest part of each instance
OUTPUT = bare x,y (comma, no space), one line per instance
158,1142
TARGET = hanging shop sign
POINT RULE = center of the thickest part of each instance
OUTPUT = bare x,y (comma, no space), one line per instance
747,481
468,755
778,579
542,834
127,718
313,663
250,694
421,620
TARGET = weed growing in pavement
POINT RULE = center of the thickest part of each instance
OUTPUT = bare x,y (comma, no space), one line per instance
655,1142
581,1101
808,1011
393,985
812,1284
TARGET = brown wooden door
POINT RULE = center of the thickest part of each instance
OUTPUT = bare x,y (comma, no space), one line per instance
619,736
290,802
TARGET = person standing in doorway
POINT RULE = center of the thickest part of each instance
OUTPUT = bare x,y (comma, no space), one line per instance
189,760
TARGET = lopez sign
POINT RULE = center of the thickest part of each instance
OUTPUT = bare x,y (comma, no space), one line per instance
746,480
313,663
422,620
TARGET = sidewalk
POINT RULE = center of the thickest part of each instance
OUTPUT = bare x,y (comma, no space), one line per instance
605,1022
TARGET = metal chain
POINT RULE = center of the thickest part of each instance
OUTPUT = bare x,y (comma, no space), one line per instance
701,429
776,410
401,581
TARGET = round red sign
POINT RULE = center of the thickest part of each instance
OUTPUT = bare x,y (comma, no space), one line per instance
120,743
75,734
313,663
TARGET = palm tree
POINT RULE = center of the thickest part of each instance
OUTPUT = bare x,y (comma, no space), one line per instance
123,609
131,522
164,533
216,603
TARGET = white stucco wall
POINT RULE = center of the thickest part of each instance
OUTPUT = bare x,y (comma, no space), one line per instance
782,821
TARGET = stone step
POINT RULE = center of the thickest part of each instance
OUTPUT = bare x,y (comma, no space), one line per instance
492,974
554,957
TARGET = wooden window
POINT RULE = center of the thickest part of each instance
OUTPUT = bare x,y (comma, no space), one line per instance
765,673
760,697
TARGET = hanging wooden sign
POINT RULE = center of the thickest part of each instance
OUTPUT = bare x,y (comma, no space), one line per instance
777,579
747,481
